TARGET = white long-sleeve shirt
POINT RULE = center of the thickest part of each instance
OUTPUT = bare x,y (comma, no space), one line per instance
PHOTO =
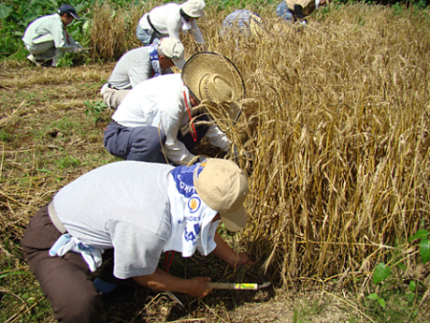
160,102
49,28
168,22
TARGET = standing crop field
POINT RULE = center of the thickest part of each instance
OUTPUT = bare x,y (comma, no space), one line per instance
337,123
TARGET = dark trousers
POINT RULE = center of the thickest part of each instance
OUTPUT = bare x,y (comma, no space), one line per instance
145,143
65,280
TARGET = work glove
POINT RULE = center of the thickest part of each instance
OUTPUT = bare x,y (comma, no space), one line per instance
77,49
303,22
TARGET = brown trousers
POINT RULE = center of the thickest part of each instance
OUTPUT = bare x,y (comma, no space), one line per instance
64,280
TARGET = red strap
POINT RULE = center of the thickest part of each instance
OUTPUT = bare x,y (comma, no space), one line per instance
67,35
193,129
167,266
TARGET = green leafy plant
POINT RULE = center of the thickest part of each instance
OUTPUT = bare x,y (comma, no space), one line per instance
65,61
374,296
382,271
94,110
423,236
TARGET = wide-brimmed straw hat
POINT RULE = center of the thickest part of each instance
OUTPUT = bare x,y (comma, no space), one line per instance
216,82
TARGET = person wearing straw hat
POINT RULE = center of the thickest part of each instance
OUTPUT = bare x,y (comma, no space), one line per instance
162,119
169,19
46,38
242,22
132,212
140,64
297,10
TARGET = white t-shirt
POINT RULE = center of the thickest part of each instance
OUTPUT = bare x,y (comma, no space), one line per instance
159,102
167,20
123,205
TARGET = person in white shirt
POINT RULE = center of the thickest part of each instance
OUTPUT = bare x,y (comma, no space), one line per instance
169,20
46,38
140,64
132,212
156,121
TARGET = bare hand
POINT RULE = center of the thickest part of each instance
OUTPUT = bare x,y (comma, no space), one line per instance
198,287
241,259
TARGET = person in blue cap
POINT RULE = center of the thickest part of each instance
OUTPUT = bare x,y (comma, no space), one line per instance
47,38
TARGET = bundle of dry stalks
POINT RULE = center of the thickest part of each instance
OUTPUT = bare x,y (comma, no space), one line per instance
339,132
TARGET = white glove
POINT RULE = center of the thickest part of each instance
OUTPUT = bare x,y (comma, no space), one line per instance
77,49
303,22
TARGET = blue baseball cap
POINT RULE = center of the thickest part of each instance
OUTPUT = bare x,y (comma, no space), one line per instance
66,8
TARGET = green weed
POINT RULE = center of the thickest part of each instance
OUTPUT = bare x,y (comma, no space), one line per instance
66,60
6,136
95,110
388,289
67,161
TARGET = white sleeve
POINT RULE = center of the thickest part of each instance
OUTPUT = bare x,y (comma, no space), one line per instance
197,34
175,150
137,250
217,138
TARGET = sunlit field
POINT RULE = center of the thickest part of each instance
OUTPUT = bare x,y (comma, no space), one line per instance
336,121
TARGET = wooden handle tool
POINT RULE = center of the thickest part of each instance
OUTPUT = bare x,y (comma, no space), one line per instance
238,286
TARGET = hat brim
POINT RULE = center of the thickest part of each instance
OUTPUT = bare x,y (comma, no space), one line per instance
203,65
74,15
208,63
179,63
235,221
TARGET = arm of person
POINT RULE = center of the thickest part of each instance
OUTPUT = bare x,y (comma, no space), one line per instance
217,138
60,38
174,148
197,34
232,258
162,281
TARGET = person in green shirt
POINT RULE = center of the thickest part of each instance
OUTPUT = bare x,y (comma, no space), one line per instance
47,38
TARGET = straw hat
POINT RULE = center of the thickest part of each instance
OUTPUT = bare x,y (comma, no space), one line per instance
214,78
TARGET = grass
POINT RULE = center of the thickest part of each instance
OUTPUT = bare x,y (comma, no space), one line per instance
336,119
